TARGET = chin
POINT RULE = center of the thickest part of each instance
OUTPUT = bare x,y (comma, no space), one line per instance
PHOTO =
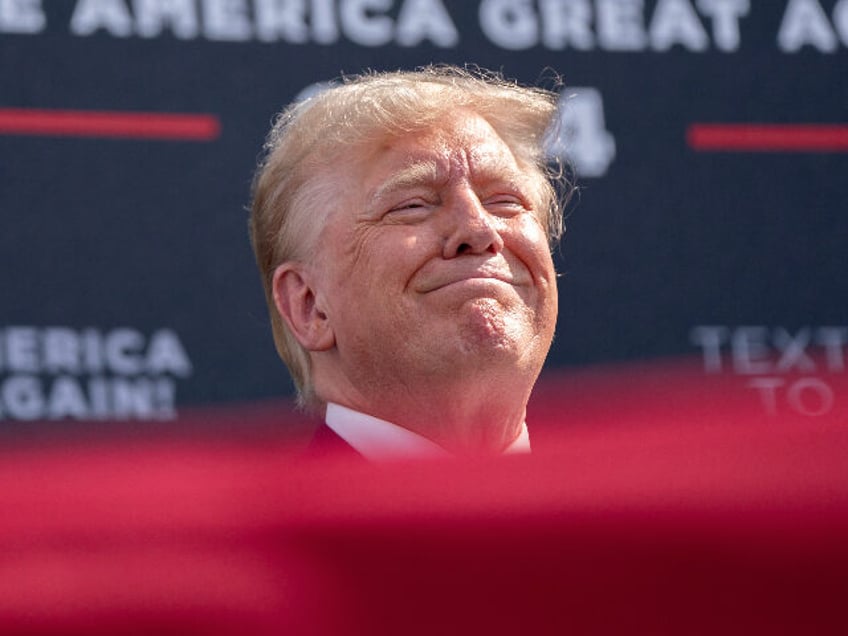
488,328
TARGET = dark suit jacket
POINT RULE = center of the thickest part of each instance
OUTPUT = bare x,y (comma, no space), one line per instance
327,443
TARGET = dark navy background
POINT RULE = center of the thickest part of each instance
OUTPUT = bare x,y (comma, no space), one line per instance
150,233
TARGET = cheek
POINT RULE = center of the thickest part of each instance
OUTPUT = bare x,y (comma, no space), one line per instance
528,241
387,255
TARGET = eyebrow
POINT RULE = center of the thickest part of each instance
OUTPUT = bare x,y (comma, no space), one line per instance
498,168
414,174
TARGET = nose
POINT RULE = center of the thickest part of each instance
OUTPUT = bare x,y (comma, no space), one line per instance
470,229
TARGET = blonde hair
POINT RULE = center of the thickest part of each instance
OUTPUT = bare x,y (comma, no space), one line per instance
292,176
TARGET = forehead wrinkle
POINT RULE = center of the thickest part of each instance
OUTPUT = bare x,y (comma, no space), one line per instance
487,155
491,166
472,151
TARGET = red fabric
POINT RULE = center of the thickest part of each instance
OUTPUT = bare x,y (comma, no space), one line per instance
706,529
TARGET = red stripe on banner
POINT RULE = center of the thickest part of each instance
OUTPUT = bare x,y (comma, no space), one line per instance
768,138
128,125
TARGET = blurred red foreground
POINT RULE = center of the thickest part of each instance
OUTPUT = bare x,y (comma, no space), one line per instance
664,530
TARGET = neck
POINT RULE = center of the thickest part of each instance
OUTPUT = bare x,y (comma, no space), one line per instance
470,417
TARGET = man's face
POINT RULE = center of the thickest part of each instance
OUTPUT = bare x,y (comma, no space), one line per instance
434,264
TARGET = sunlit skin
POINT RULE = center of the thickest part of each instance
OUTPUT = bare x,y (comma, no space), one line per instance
430,300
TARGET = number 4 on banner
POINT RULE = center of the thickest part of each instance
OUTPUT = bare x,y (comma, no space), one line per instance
580,137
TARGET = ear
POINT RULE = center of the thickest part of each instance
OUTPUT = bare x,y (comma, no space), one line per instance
296,302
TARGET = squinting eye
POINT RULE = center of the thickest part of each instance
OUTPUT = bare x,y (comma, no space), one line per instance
508,202
413,203
410,210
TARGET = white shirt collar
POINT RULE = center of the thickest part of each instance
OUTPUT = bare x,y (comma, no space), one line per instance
377,439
